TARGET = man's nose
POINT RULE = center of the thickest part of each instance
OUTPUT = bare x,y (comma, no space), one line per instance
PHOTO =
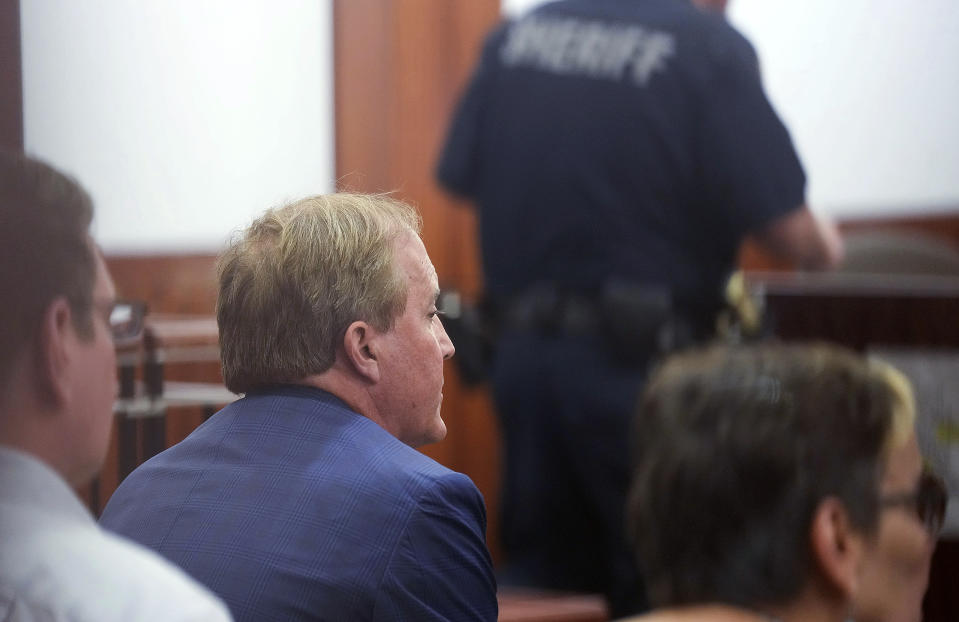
446,343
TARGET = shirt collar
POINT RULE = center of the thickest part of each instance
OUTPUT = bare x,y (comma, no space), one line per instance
28,482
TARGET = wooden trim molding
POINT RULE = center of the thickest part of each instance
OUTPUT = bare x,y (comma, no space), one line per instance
940,225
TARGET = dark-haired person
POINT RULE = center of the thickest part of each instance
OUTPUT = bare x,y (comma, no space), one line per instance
57,387
782,483
306,499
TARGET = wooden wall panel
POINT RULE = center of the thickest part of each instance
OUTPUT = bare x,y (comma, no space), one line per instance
400,67
168,283
361,40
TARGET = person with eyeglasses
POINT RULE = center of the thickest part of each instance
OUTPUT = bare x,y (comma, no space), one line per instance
126,320
782,483
59,324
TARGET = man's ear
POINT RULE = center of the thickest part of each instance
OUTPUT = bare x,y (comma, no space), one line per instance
57,337
837,546
359,344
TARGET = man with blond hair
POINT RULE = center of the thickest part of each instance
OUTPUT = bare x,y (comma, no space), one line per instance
306,499
57,387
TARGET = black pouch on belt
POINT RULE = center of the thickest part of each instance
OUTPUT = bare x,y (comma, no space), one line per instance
469,327
635,318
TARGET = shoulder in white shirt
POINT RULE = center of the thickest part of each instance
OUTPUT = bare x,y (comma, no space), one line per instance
56,563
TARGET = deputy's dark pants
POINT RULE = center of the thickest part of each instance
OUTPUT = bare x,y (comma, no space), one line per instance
566,409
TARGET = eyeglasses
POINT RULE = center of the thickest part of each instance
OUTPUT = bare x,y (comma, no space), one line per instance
126,319
929,501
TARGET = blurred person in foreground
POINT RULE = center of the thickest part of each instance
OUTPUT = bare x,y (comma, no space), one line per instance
306,499
58,381
782,483
617,152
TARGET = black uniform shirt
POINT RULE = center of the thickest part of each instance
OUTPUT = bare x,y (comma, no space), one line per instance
624,139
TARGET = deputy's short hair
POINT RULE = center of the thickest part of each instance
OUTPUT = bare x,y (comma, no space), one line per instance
292,283
736,448
45,251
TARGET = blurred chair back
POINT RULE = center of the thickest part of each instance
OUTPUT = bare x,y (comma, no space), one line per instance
899,252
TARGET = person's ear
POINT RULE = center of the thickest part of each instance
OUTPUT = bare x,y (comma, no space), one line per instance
57,337
359,343
837,546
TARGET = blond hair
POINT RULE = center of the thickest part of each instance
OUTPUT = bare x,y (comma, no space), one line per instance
293,282
903,405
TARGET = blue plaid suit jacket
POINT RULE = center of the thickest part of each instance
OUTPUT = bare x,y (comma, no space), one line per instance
290,506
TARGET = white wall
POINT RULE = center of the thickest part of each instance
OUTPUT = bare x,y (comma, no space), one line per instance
870,92
186,118
183,118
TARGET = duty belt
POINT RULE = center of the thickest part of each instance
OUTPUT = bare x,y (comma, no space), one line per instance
554,313
631,317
